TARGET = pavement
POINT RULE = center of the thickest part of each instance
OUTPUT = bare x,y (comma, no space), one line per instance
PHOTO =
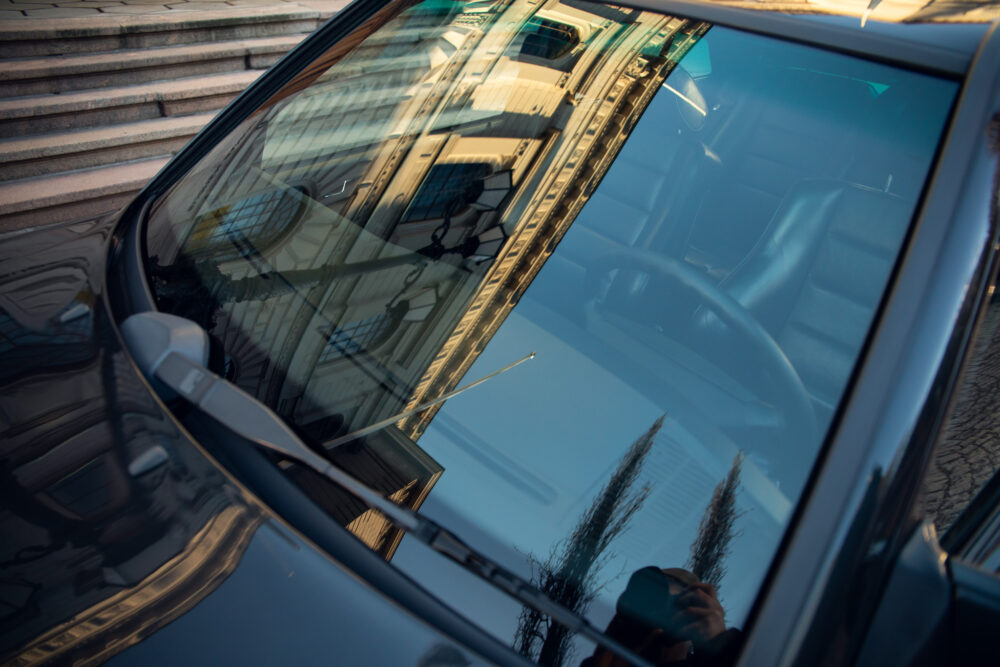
115,9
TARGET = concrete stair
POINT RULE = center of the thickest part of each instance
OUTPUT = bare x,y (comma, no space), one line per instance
35,114
23,39
59,74
92,108
44,155
75,195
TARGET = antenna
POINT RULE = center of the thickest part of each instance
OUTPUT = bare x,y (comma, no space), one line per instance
379,425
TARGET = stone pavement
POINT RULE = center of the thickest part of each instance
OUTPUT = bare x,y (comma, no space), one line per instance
109,9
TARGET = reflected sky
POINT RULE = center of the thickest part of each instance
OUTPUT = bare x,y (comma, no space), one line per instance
535,445
526,453
284,604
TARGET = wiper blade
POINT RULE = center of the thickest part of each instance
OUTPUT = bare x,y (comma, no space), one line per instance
172,351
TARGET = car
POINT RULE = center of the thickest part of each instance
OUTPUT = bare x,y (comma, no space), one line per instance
530,331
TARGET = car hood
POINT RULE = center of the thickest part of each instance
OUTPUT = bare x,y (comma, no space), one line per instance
122,539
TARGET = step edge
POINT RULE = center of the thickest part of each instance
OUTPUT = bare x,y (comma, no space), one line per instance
77,142
123,24
27,106
27,201
48,66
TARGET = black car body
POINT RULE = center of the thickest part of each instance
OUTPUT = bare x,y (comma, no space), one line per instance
775,231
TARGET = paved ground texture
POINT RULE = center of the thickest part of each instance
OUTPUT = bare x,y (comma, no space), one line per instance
969,452
64,9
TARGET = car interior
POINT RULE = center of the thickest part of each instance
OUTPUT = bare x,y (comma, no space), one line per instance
748,252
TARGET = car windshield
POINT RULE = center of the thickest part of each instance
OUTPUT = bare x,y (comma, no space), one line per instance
691,229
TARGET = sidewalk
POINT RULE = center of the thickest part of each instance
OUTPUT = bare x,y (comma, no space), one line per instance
114,10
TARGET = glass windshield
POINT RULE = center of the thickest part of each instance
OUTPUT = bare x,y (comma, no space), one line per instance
690,228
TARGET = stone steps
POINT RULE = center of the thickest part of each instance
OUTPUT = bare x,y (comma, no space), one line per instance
78,195
88,108
60,74
91,110
46,154
22,39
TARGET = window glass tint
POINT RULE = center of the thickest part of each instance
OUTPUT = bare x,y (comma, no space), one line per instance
263,217
670,240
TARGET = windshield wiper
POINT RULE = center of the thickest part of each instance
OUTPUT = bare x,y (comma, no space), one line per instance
172,351
388,421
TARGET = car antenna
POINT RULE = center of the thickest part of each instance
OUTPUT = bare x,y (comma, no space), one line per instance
379,425
171,351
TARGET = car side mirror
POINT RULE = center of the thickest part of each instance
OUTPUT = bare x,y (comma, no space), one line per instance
975,616
935,610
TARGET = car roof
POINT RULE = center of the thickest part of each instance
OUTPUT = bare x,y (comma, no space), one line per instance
942,41
888,11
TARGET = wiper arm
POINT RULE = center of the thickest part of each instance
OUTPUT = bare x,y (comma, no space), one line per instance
172,351
388,421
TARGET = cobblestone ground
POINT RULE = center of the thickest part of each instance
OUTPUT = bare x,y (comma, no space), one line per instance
57,9
969,453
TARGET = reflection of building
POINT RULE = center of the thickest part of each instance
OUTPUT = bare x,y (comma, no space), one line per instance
110,626
111,520
582,152
968,453
367,234
388,461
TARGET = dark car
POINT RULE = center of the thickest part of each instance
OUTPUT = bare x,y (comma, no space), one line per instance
530,331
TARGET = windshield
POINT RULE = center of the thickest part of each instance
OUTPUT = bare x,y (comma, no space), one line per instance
690,228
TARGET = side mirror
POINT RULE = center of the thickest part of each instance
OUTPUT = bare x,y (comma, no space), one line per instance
936,610
975,615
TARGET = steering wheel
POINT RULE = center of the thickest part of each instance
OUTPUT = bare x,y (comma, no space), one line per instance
776,378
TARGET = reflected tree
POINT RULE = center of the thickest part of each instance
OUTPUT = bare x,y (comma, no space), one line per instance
711,546
569,575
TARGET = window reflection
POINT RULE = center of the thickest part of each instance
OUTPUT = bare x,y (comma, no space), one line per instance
447,189
670,617
548,39
357,336
260,219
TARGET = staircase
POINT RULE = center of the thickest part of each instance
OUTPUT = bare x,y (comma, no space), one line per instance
91,109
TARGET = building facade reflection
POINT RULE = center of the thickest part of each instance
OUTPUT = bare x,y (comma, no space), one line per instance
113,524
373,225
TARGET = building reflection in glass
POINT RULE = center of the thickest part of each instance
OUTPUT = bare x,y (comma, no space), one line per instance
113,524
363,235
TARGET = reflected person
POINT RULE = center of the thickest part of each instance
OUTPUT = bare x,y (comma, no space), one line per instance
670,617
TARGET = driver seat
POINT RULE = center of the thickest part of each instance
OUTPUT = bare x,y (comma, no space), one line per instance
816,275
813,280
